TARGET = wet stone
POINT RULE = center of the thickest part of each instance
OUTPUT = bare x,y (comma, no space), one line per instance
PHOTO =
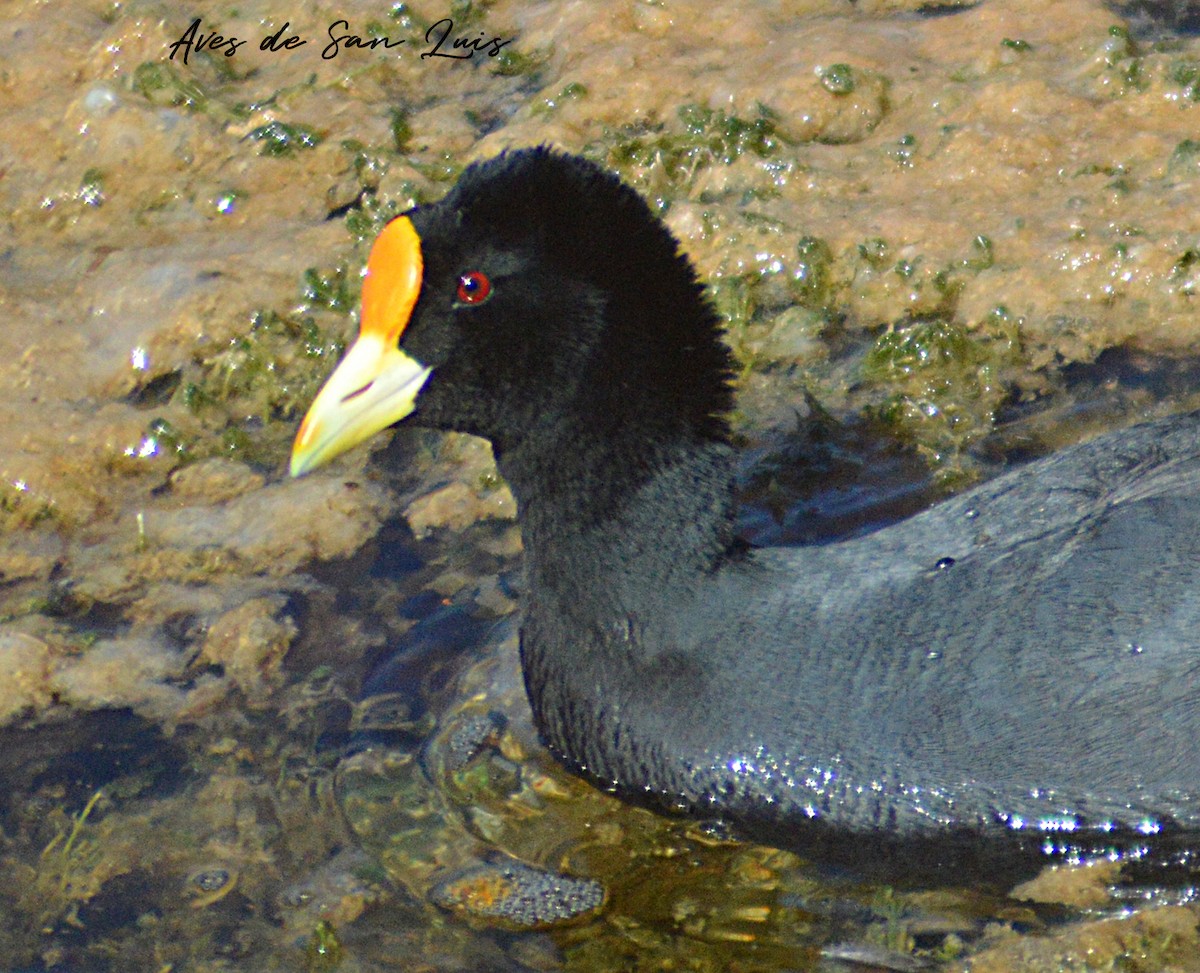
210,880
470,736
518,895
867,956
209,885
214,480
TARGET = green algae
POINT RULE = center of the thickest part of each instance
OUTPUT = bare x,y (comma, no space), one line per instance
71,869
1185,160
20,506
903,151
68,847
513,63
323,953
370,165
401,129
331,291
942,384
1127,69
838,79
1186,74
277,139
549,104
812,282
161,84
228,401
697,139
91,190
927,380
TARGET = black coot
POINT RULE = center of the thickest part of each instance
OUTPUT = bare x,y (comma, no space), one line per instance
1023,656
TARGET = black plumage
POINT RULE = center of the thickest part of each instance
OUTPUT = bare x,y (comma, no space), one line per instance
1022,656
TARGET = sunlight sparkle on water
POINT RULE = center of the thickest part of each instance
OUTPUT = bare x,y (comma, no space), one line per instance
144,450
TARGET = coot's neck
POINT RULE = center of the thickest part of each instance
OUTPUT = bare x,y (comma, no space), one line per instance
620,537
607,514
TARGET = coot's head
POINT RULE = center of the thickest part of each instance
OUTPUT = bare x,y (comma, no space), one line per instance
540,300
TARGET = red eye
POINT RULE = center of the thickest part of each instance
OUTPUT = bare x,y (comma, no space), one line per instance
474,288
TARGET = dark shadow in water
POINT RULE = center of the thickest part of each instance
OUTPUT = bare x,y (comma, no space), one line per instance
423,664
77,755
407,680
1152,20
1162,377
828,481
929,10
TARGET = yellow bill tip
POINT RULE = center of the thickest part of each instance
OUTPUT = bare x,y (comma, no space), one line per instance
376,384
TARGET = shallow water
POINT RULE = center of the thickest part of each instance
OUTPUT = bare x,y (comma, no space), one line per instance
252,723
